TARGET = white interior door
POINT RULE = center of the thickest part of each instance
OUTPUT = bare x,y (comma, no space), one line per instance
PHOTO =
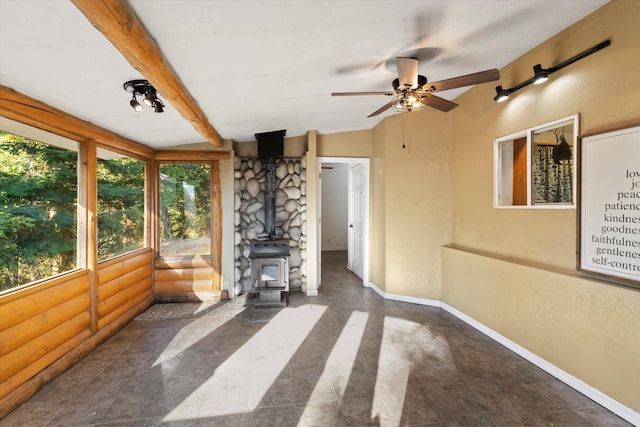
356,218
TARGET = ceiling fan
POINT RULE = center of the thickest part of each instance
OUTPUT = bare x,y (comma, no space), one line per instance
412,92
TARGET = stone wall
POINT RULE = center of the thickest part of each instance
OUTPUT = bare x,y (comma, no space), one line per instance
291,215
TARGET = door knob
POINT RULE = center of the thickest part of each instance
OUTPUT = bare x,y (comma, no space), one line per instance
350,225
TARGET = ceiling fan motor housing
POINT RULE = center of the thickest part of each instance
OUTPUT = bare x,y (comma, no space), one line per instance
422,80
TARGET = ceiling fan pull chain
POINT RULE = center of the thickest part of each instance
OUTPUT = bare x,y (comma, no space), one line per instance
409,132
403,126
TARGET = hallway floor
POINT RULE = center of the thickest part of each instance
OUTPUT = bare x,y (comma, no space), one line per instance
344,358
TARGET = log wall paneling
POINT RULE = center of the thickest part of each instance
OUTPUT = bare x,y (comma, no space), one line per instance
25,303
123,282
40,364
23,332
144,300
183,286
116,267
196,261
125,298
127,280
175,274
27,360
30,352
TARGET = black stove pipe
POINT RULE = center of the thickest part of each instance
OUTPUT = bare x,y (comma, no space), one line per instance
270,147
270,195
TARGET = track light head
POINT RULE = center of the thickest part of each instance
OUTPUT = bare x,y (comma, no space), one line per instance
158,106
501,94
149,99
135,104
540,76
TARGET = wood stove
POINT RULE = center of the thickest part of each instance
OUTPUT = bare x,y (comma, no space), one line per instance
270,256
270,272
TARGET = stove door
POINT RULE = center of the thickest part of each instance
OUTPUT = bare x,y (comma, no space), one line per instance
270,273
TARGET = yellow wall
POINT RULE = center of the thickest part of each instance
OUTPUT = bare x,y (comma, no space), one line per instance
345,144
417,185
535,297
293,147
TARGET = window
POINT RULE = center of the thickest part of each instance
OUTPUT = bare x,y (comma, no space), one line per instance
185,209
38,209
120,204
535,168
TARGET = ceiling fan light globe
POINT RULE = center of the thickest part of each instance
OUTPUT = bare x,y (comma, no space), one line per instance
417,106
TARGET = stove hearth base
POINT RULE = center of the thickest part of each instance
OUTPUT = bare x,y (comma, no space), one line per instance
270,298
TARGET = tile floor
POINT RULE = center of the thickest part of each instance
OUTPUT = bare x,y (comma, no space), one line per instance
344,358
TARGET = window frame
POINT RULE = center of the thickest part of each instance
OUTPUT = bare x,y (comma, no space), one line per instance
146,242
499,166
212,186
27,131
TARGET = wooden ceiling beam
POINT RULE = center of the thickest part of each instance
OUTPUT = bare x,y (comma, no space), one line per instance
24,109
116,20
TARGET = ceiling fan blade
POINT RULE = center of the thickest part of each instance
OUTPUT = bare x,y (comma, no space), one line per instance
466,80
382,109
361,93
407,71
439,103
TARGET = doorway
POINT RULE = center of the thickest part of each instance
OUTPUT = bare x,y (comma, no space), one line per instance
346,212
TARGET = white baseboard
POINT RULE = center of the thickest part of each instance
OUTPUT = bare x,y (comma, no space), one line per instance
404,298
592,393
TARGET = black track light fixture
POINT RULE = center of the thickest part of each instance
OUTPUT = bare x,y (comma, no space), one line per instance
148,93
541,75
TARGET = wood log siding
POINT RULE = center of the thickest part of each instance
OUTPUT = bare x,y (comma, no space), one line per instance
39,324
123,282
188,279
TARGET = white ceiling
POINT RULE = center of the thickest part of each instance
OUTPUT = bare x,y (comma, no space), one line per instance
256,66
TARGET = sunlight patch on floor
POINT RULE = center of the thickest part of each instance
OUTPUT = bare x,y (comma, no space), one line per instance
394,367
189,336
240,382
343,355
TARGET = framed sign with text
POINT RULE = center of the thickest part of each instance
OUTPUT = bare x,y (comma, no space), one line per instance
609,210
